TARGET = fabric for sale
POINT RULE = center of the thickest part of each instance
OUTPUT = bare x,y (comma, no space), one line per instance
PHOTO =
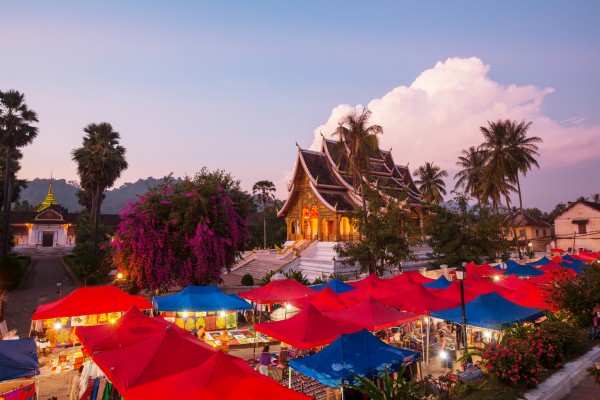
18,359
373,316
336,284
200,298
280,291
307,329
489,311
89,301
358,353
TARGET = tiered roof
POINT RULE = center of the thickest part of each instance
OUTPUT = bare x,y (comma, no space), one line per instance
333,185
49,200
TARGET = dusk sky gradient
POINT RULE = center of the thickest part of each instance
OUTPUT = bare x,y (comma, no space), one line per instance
236,84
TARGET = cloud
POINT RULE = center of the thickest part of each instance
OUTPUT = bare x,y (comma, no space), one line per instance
440,113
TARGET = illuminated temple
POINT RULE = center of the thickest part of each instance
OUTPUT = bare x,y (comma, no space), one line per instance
321,193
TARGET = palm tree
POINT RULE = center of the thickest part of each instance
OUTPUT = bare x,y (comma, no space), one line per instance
523,149
263,190
596,197
16,131
361,142
431,183
100,162
471,162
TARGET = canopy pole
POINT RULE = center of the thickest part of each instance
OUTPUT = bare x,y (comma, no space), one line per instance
255,335
290,377
342,390
428,341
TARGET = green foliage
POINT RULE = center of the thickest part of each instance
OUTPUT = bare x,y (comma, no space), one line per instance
461,233
88,266
391,389
297,275
384,242
430,181
275,226
247,280
13,271
265,280
319,281
576,295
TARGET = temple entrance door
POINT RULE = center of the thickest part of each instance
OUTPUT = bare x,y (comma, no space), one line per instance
306,231
314,222
47,239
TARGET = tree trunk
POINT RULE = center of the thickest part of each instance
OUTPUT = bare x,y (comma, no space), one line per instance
264,228
521,208
514,230
96,218
6,206
364,207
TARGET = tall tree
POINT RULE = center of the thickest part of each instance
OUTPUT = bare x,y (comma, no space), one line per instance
100,162
16,131
524,149
431,183
358,142
470,175
595,197
263,191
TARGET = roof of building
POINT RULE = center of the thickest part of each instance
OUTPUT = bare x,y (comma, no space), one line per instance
516,219
49,200
591,204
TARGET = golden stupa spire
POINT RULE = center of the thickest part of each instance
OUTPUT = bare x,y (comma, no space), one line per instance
49,200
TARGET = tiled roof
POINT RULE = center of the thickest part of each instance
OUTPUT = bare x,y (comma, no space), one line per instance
318,168
515,219
337,200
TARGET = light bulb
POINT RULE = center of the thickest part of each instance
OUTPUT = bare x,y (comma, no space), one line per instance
222,313
185,314
443,354
487,334
57,325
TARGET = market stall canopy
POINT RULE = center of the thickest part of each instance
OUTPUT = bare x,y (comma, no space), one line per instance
378,292
358,353
325,301
523,270
529,296
489,311
439,283
371,281
407,280
278,292
452,293
200,298
18,359
133,327
169,366
336,284
552,267
574,265
540,262
484,270
474,279
486,286
511,282
89,301
307,329
373,316
418,300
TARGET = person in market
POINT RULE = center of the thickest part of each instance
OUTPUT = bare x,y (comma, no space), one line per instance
201,333
264,361
447,346
596,314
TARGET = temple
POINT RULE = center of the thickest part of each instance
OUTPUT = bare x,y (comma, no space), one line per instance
50,226
322,193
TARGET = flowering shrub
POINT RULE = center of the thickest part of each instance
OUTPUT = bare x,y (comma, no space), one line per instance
179,233
516,361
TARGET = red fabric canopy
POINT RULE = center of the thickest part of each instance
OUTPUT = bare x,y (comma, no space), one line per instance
486,287
307,329
556,259
373,316
131,328
484,270
452,293
553,267
171,366
474,279
553,273
282,291
511,282
325,301
419,300
528,296
370,281
364,292
407,280
89,301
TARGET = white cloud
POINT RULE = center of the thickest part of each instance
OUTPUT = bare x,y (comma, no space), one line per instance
440,113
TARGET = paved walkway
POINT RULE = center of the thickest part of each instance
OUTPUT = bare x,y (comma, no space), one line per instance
39,287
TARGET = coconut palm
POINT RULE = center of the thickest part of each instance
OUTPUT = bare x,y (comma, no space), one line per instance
100,162
361,142
16,131
596,197
471,162
263,191
524,149
431,183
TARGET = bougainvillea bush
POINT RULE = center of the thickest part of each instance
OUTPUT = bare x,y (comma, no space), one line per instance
182,233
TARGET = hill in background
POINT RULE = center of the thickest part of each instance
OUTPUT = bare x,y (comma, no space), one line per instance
65,193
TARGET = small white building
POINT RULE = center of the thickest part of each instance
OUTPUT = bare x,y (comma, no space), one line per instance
578,227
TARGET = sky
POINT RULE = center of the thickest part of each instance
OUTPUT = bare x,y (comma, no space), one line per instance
235,85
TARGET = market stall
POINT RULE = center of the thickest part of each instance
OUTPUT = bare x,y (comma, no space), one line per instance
201,307
87,306
326,300
336,284
373,316
19,369
278,292
439,283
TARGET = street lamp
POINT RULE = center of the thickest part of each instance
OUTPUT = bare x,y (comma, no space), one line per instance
461,273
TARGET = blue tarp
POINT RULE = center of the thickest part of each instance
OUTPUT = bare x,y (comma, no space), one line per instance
488,311
575,265
522,270
439,283
358,353
200,298
18,359
542,261
336,284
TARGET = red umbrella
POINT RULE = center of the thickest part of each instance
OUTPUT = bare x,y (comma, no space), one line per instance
169,366
326,300
419,300
407,280
511,282
452,293
528,296
373,316
307,329
282,291
364,292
